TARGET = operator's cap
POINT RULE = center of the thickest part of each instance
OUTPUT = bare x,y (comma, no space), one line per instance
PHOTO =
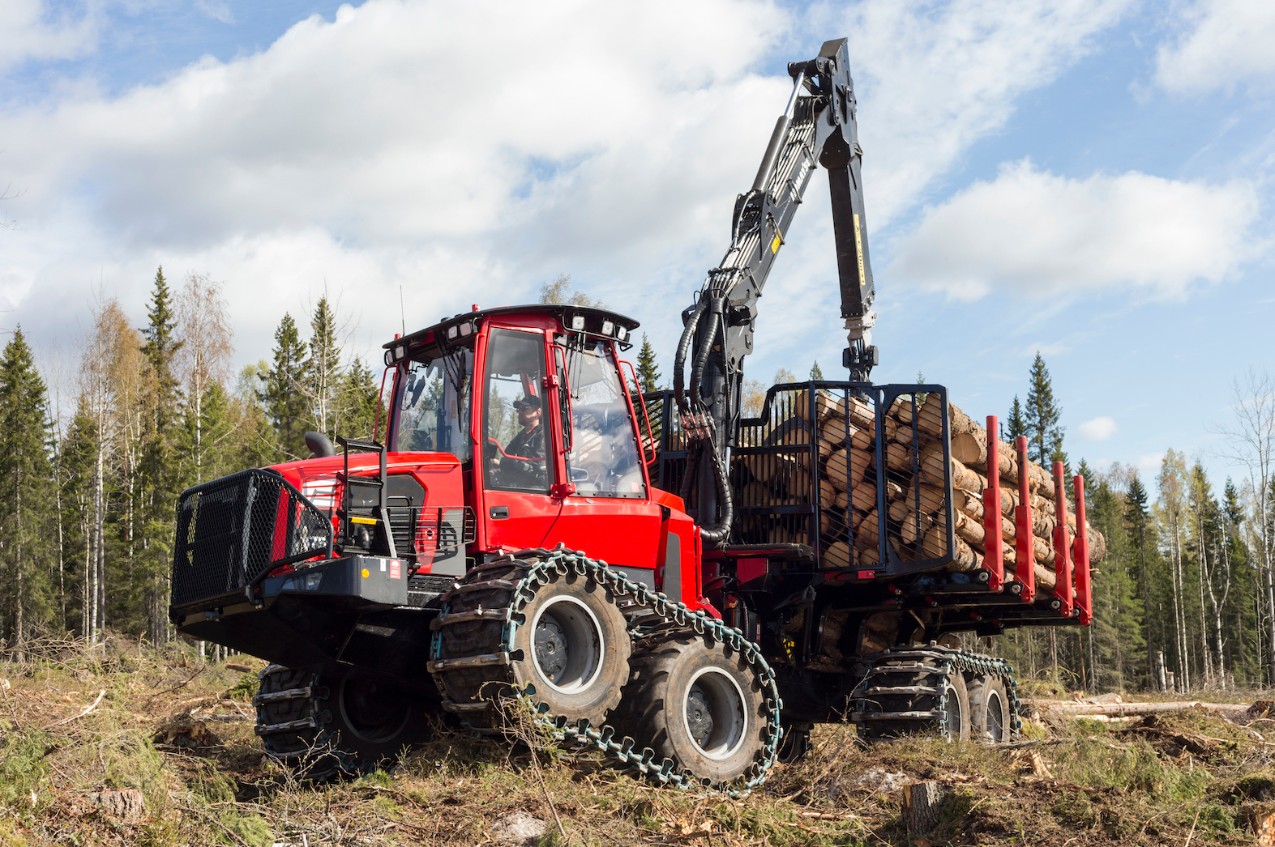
526,403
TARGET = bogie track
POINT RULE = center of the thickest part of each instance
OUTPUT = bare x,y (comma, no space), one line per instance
491,643
936,691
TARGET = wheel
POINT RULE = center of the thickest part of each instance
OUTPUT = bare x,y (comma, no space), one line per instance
319,726
989,709
955,724
572,650
699,704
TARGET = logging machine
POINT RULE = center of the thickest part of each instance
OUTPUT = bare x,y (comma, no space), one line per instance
659,577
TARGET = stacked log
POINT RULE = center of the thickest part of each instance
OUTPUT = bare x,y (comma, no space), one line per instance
825,453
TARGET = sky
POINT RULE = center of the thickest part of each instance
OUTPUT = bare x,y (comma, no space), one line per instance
1086,179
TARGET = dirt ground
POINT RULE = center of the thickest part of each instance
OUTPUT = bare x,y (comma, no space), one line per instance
124,745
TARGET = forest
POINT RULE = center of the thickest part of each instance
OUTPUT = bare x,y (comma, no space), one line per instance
1185,599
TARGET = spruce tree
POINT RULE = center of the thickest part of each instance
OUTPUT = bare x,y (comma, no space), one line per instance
323,369
1137,517
359,401
159,472
816,372
1015,424
77,455
1043,430
26,538
283,390
647,369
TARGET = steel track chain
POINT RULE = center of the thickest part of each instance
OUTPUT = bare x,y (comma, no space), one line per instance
946,659
540,565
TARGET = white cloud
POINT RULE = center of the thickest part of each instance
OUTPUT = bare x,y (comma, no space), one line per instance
1148,465
218,10
1098,429
32,30
418,144
1223,43
934,77
1039,235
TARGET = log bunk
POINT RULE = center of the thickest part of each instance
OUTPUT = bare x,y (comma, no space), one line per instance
907,490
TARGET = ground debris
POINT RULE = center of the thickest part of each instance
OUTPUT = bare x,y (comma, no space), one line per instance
519,828
126,806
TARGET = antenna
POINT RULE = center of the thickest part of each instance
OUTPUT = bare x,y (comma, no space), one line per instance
401,309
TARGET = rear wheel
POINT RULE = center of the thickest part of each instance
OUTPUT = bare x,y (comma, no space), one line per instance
913,698
698,703
989,710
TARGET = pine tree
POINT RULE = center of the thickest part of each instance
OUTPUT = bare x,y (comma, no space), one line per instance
647,368
816,372
25,470
1043,430
283,390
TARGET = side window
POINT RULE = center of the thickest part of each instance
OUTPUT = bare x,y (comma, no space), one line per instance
514,413
433,405
603,457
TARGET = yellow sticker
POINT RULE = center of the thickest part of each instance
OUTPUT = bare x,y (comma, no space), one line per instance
776,243
366,573
368,521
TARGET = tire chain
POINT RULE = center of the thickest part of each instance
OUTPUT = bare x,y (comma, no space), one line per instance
289,709
945,659
670,616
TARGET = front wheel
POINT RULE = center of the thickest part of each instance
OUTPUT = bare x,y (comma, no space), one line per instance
320,726
698,703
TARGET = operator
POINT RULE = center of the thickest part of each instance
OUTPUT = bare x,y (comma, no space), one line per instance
523,461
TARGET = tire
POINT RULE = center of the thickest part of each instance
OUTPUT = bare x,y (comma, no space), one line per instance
572,651
321,726
955,726
698,703
990,721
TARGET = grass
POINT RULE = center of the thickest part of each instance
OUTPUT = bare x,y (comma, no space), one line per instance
179,734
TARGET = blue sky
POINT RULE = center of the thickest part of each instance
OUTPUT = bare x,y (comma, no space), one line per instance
1086,178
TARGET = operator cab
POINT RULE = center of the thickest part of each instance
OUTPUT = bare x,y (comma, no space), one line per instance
534,403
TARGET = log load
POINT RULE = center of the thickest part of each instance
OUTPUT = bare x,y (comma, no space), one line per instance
826,452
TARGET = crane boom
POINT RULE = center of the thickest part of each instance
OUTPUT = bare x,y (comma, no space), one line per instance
817,126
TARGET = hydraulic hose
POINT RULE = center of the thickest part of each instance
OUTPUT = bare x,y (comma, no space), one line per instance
684,347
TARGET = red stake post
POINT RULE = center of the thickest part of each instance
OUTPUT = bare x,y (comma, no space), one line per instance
994,557
1024,551
1062,552
1080,549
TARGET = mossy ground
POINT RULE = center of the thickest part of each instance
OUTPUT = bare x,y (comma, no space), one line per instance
179,733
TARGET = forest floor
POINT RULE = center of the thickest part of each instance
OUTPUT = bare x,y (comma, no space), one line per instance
125,745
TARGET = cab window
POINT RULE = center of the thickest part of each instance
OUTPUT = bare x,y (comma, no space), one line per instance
602,452
515,442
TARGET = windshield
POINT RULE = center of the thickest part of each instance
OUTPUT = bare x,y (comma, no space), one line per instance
433,404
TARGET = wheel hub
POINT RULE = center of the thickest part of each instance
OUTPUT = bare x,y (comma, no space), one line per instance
552,650
699,716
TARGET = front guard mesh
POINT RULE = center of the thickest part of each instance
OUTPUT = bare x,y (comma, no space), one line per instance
232,531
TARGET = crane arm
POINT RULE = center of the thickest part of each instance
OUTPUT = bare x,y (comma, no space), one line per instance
818,126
